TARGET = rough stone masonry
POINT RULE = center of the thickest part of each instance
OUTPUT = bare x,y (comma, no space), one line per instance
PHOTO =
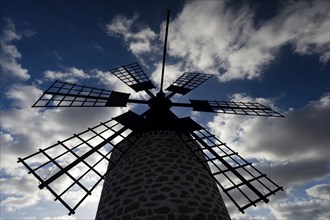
159,178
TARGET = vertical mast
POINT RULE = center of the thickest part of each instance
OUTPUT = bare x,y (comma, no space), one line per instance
164,52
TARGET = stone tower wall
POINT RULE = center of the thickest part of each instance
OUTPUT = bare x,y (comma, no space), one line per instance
159,178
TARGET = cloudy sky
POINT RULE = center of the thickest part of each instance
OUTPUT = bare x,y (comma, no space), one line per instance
274,52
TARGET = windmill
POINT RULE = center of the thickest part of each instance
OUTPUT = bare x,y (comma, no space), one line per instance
153,164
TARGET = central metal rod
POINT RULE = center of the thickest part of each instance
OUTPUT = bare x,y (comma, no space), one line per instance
164,52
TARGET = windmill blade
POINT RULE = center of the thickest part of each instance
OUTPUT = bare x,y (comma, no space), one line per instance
238,108
187,82
72,169
133,76
240,180
63,94
228,107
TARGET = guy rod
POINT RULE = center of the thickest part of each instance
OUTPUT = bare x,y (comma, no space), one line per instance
164,52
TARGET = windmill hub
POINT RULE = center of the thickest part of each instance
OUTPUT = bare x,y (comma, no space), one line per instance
159,116
160,102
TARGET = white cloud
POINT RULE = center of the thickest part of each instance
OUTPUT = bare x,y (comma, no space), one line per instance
239,46
172,72
302,209
140,47
13,203
106,78
12,121
63,217
23,95
231,42
20,192
321,191
5,137
205,33
120,25
259,213
71,74
138,38
9,53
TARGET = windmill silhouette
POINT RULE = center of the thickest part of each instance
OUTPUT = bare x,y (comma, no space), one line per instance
153,164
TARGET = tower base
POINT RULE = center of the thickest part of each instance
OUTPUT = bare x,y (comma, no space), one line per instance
159,178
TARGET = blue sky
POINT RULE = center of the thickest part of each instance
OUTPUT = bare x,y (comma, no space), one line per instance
273,52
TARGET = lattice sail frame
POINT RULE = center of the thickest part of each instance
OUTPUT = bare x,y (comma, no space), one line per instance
230,107
187,82
240,180
78,164
63,94
133,76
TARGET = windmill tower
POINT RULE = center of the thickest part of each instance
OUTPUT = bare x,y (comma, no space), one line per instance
155,164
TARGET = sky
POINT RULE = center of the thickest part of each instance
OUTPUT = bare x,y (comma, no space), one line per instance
273,52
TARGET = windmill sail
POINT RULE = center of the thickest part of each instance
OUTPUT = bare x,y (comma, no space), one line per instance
240,180
238,108
133,76
187,82
63,94
229,107
77,165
